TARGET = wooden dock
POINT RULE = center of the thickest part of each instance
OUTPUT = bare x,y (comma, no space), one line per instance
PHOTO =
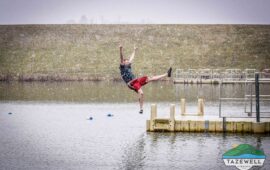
199,122
217,76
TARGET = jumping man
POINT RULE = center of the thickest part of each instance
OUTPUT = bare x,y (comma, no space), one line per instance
133,82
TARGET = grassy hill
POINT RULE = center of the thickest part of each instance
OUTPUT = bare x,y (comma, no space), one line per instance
243,149
90,52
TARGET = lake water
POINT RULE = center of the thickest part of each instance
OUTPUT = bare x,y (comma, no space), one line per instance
49,127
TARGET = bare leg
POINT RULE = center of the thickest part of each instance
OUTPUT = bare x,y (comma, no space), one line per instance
154,78
140,92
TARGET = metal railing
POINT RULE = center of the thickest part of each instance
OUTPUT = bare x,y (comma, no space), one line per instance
250,98
220,75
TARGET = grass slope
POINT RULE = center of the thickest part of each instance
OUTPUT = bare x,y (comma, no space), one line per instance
243,149
91,51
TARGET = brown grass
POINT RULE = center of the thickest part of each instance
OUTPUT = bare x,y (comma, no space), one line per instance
90,52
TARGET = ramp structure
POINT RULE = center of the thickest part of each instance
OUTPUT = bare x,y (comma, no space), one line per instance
215,76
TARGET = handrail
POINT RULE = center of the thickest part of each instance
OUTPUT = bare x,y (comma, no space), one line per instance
252,98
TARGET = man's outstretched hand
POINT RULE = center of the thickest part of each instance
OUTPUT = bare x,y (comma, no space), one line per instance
120,46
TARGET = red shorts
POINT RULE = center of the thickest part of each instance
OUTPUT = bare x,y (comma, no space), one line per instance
137,83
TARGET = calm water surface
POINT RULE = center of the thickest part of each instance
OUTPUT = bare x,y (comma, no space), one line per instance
49,127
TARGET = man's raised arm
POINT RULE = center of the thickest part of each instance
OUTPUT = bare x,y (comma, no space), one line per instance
133,54
121,53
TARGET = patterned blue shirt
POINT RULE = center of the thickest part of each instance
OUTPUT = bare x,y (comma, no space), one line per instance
126,72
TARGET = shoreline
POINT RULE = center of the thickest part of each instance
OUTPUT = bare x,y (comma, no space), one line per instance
59,78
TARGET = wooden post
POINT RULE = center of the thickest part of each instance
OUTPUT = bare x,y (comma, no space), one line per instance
200,107
183,107
153,116
172,117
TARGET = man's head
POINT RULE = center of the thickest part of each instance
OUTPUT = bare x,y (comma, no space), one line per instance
125,61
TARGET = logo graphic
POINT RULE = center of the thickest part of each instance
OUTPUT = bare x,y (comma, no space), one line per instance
244,156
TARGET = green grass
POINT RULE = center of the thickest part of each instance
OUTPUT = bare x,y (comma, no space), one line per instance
90,51
243,149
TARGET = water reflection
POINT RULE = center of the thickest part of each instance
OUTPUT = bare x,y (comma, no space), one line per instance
114,92
134,154
198,150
